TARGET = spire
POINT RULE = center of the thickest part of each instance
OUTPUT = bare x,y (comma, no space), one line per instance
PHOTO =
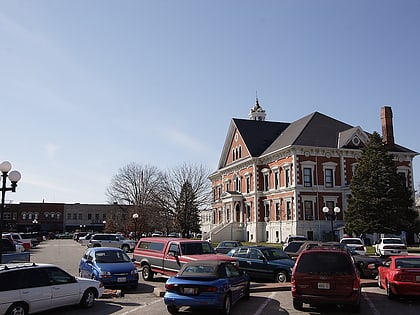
256,112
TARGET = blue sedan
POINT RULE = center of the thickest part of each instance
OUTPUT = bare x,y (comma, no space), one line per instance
208,284
112,266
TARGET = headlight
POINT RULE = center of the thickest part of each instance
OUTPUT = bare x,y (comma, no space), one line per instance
134,271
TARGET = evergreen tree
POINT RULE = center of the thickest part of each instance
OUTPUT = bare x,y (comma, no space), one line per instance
380,200
187,213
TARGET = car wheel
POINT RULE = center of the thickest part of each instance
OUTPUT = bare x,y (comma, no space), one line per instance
297,305
280,277
247,293
88,299
125,248
147,273
354,308
227,305
389,293
172,309
18,309
379,282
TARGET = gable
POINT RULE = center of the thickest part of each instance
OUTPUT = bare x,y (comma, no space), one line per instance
353,138
255,136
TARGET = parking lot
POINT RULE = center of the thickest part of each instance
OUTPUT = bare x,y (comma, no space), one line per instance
267,299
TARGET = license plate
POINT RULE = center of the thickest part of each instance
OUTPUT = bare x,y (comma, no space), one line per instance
189,290
122,279
324,285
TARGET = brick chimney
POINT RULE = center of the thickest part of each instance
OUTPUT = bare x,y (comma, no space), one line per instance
387,127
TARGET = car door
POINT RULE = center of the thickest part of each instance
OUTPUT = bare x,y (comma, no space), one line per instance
257,264
86,264
36,289
64,287
236,281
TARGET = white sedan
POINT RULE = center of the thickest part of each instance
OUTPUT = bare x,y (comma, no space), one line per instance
389,246
30,288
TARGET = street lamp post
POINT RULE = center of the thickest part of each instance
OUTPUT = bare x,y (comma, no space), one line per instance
135,218
331,215
14,177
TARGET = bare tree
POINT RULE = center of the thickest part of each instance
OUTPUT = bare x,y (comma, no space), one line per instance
174,180
137,185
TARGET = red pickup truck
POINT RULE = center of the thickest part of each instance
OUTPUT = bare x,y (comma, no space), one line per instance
166,256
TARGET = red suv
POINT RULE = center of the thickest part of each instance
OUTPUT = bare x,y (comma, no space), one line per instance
325,275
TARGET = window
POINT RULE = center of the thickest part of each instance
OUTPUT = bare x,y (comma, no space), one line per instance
267,211
266,182
80,216
74,216
287,177
248,212
276,180
68,215
278,214
308,209
329,178
237,184
89,216
307,177
289,210
248,184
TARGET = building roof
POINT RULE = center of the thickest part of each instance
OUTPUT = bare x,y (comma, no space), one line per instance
313,130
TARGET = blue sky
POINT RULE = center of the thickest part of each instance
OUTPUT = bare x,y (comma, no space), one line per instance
90,86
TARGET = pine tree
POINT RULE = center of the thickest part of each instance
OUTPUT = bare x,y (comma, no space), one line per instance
187,213
380,200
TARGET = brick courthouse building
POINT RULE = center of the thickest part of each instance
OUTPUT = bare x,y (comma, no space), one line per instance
274,178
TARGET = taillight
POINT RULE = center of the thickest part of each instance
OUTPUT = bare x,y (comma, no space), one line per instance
208,289
170,286
356,284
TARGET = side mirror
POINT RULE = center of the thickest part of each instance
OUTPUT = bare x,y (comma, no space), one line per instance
172,253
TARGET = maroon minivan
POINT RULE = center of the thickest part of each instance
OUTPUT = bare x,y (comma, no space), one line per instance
325,275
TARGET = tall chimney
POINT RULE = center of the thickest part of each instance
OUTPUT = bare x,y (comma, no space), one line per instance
387,127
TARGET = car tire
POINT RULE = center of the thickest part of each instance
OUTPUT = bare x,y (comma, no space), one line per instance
354,308
247,294
17,308
88,298
280,277
389,292
172,309
297,305
147,273
227,305
379,282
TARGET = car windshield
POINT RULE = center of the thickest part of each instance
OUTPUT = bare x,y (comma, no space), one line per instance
274,253
204,270
196,248
111,257
407,262
228,244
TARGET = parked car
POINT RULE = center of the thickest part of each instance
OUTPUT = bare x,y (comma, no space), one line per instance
30,288
400,276
388,246
225,246
112,266
325,275
112,240
292,238
366,265
356,243
26,243
207,284
84,240
264,262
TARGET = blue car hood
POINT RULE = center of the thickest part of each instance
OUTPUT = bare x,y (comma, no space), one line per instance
116,267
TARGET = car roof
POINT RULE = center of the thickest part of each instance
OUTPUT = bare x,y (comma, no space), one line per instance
96,249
